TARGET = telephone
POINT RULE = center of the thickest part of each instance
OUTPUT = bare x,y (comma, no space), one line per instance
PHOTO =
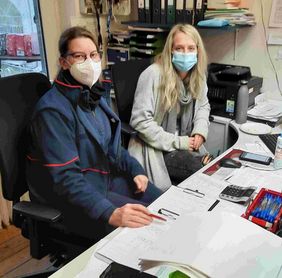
237,194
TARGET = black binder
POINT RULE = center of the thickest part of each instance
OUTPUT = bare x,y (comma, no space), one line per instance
188,11
148,11
141,10
170,12
156,11
179,11
199,9
163,11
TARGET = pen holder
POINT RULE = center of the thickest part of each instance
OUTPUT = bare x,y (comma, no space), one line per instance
262,210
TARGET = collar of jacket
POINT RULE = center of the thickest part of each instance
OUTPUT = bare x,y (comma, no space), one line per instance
78,94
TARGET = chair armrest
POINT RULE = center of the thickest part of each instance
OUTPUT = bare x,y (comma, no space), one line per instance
211,118
37,211
127,129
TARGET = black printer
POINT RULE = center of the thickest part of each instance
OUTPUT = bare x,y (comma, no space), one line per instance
223,85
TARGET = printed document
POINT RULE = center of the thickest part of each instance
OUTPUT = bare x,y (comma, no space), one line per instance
219,245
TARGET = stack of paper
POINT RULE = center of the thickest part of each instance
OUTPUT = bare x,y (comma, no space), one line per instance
217,245
270,110
235,16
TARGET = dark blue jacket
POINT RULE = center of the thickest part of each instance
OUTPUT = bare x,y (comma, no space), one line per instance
67,165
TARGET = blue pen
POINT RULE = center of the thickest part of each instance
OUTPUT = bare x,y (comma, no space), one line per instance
279,205
274,209
268,207
262,207
263,211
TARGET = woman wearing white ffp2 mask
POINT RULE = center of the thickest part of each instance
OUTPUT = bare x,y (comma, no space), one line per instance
91,179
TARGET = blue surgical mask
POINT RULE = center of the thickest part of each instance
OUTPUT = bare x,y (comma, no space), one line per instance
184,61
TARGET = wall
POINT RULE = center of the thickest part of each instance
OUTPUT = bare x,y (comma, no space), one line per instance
248,49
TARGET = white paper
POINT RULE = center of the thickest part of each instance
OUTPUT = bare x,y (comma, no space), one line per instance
275,19
126,247
221,245
135,241
251,177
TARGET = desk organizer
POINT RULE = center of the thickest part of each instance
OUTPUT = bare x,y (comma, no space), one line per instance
261,210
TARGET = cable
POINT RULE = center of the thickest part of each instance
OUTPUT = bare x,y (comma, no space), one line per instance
97,6
267,50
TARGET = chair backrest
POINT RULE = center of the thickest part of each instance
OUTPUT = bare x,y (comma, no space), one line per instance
18,96
125,76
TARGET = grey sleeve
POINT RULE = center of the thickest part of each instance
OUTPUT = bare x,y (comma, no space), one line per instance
143,112
201,117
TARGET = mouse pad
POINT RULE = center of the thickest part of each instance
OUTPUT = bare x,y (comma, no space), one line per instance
255,128
234,154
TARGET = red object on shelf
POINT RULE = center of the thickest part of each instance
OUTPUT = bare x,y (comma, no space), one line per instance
11,44
27,45
272,227
20,45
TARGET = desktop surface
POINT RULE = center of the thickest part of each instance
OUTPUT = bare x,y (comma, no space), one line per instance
79,263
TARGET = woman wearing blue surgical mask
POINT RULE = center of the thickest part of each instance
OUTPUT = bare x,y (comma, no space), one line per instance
171,110
75,161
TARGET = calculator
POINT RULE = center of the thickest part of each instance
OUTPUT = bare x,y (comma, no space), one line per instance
237,194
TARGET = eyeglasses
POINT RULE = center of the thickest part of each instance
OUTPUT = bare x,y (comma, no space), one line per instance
80,57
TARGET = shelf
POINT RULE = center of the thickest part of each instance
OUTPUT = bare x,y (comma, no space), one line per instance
21,58
142,26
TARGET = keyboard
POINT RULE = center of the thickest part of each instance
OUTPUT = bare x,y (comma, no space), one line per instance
269,140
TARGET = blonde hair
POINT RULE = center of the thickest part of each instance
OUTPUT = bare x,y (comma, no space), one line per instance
170,81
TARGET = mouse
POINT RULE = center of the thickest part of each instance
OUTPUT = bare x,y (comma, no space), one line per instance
229,163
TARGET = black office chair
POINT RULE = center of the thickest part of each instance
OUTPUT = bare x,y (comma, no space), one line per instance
125,76
40,224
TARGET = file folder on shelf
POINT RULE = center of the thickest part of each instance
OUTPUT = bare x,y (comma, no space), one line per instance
179,11
170,12
163,11
156,11
188,11
199,9
148,11
141,10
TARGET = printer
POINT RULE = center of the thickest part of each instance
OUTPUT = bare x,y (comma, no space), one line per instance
223,85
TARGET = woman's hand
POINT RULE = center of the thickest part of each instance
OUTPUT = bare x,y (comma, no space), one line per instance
199,140
191,143
141,182
130,215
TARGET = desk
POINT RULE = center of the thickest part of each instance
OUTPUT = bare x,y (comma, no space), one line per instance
78,264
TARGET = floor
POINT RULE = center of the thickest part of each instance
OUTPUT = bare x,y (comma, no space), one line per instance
15,259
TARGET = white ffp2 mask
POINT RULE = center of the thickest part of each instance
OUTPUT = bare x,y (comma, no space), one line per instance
86,73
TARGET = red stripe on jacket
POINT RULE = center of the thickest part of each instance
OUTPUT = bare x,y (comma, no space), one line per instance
68,162
95,170
67,85
54,164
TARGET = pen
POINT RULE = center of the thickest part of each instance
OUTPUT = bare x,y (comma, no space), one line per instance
213,205
168,213
157,217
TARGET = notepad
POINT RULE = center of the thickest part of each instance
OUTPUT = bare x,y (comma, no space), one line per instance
218,245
